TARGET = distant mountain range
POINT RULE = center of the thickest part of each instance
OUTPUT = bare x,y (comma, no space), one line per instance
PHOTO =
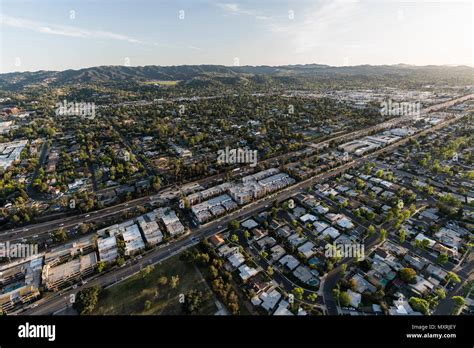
192,74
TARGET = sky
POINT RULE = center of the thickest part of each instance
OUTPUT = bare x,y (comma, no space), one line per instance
73,34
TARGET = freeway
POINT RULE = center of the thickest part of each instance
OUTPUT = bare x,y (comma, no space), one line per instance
71,221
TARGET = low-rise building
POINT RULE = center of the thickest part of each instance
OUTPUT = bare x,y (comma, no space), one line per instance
107,247
306,249
150,229
133,240
54,277
10,152
246,272
20,281
289,261
171,221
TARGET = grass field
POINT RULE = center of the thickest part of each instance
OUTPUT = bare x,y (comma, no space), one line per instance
130,295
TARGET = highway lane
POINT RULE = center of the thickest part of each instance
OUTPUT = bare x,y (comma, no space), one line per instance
71,221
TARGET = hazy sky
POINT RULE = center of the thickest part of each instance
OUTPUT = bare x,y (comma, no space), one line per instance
63,34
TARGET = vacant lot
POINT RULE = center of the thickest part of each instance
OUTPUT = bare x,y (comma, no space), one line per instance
131,295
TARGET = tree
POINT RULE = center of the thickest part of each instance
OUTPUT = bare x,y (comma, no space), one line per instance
371,230
156,183
234,238
120,245
163,280
234,225
147,305
86,300
298,292
344,299
100,266
442,258
425,243
419,305
459,302
383,234
417,243
233,307
408,275
353,284
84,228
452,277
247,234
193,301
379,294
120,261
441,293
60,235
270,270
203,258
214,272
147,270
403,235
174,281
312,297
